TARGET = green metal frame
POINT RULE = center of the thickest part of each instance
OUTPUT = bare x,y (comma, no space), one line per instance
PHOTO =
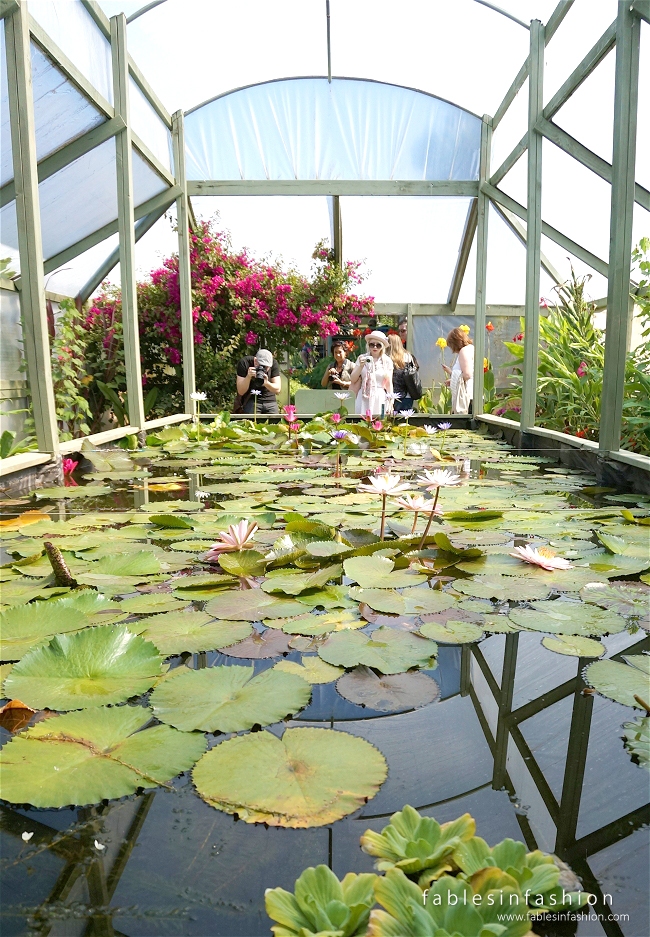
622,34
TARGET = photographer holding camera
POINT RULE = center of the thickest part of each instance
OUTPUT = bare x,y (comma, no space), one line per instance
337,376
260,373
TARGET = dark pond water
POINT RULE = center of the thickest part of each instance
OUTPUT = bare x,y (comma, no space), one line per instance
512,740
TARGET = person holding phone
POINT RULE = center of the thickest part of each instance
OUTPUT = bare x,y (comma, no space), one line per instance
372,376
337,376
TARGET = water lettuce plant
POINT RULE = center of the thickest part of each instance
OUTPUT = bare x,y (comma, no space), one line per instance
322,905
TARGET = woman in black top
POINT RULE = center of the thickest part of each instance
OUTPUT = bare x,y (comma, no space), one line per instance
337,376
400,358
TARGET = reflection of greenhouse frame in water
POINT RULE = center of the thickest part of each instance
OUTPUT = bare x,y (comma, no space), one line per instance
564,814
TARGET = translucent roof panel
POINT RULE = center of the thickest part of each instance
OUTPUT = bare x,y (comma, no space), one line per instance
148,126
409,245
75,32
308,128
6,163
146,182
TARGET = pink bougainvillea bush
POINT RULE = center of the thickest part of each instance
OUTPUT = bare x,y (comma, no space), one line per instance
239,303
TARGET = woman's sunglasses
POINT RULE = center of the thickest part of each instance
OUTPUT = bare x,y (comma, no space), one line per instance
374,344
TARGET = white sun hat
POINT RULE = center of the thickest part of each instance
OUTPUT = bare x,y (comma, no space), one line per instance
378,336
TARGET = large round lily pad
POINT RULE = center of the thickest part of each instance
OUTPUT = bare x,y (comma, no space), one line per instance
24,627
409,602
626,598
309,777
620,682
452,632
252,605
176,632
376,572
290,583
504,588
573,646
311,668
269,643
96,754
388,692
323,624
386,649
558,617
94,667
228,699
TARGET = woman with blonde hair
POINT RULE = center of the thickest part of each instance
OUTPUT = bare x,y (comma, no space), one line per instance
372,377
400,358
462,373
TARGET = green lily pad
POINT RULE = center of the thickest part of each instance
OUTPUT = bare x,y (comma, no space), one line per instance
228,699
171,521
93,755
295,583
409,602
574,646
309,777
252,605
177,632
504,588
243,563
328,597
637,739
94,667
389,692
311,668
386,649
572,618
631,599
201,588
151,603
452,632
321,624
326,548
24,627
620,682
81,491
376,572
142,563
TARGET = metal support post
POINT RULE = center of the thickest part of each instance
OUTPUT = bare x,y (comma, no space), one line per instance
483,209
28,220
505,708
574,771
337,230
534,226
619,306
184,267
126,222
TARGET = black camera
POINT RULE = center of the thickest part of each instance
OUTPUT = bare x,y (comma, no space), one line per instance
260,373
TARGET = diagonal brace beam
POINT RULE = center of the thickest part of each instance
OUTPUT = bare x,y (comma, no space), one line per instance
463,254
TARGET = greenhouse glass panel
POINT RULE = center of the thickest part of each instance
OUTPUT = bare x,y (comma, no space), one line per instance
71,276
579,31
6,159
73,29
12,369
146,181
307,128
593,127
8,236
148,126
643,124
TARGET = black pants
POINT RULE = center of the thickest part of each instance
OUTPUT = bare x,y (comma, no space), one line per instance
263,406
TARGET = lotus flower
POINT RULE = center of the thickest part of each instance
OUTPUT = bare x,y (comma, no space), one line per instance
367,416
439,478
384,485
542,557
430,430
335,417
294,427
341,396
198,395
444,426
238,537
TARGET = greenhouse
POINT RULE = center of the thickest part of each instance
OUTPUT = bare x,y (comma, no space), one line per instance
325,458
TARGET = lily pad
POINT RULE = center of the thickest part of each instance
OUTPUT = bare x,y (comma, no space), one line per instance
309,777
504,588
452,632
409,602
326,548
200,588
93,755
311,668
178,632
268,643
151,603
295,583
24,627
80,491
620,682
637,739
574,646
386,649
376,572
252,605
387,693
328,597
572,618
631,599
94,667
228,699
322,624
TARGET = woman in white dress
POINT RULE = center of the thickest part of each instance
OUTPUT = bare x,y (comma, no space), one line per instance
462,373
372,377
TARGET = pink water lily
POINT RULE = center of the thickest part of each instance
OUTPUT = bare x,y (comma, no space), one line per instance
238,537
69,465
542,557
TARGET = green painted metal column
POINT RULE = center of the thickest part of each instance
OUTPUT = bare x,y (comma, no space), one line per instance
533,225
619,304
480,305
28,220
184,267
126,222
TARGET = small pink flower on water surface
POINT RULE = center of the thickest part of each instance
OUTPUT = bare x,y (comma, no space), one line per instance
542,557
335,417
69,465
377,425
238,537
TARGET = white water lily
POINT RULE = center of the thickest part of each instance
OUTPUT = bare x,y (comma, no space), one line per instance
406,414
202,495
417,503
430,430
385,485
26,836
341,396
542,557
198,395
99,846
439,478
255,393
238,537
390,396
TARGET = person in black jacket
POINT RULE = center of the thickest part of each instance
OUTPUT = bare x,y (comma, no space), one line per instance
259,373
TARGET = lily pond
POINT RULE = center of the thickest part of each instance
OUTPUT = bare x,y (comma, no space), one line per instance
241,652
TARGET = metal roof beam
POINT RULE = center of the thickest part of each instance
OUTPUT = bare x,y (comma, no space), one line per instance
463,253
327,187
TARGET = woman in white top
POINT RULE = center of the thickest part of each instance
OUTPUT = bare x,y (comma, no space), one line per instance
462,373
372,377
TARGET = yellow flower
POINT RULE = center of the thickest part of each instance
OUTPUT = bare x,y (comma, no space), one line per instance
464,328
485,364
442,343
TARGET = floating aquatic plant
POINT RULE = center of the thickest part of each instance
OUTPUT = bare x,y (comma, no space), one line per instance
321,904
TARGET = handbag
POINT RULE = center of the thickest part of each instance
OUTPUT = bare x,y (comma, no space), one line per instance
240,402
412,380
